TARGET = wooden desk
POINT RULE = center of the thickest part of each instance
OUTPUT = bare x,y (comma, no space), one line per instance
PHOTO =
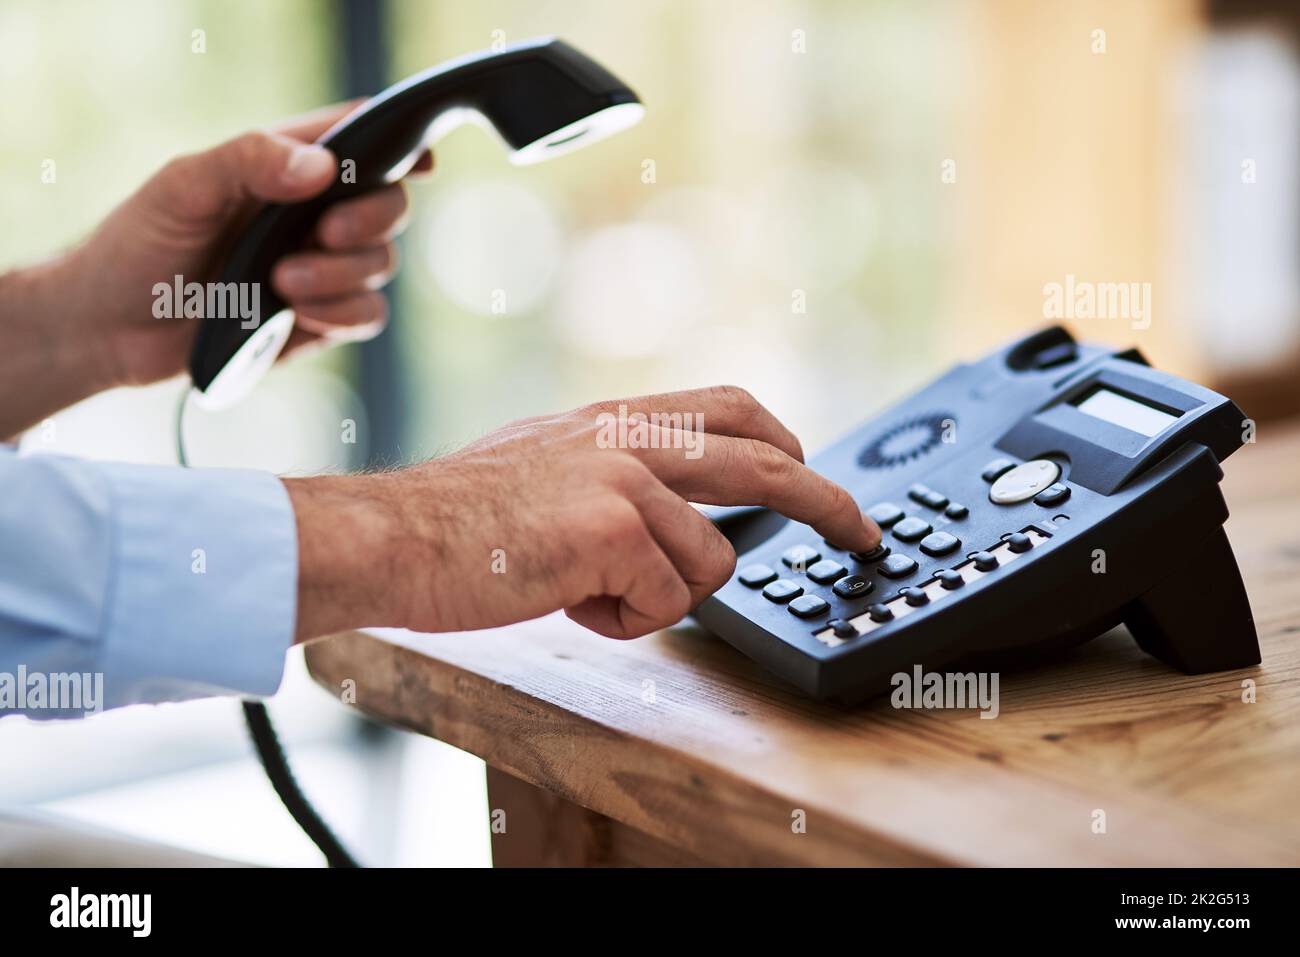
676,749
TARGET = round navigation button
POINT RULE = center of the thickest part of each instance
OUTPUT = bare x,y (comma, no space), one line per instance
1024,482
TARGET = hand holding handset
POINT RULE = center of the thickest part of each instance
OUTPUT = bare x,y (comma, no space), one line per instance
543,98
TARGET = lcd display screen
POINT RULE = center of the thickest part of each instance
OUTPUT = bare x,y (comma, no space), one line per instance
1125,412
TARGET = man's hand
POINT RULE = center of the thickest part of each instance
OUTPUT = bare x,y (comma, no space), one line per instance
84,322
183,220
539,516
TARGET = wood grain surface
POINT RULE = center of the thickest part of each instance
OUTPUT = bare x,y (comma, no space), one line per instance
688,746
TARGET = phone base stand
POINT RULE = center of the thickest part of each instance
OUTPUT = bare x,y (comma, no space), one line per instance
1202,622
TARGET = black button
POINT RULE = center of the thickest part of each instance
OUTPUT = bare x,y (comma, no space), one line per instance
756,576
1052,495
897,566
800,556
875,555
927,496
1056,355
884,514
950,579
985,561
935,500
1019,542
826,571
782,590
842,628
808,606
956,511
855,586
915,596
880,613
911,529
940,543
996,468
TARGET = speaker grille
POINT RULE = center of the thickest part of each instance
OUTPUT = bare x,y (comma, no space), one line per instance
905,441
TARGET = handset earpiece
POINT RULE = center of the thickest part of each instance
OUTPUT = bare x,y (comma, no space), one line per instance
543,98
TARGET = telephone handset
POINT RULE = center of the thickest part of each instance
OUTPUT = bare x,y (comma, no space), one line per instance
543,98
1029,501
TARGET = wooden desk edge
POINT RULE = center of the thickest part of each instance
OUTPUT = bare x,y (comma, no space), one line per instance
704,809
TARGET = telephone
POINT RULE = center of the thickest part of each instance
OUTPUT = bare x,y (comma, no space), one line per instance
1029,501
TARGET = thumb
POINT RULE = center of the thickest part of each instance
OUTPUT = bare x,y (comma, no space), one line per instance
261,165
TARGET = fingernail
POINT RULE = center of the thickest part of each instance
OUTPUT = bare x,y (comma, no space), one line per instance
308,163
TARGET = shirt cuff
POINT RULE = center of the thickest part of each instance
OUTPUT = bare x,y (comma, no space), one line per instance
205,583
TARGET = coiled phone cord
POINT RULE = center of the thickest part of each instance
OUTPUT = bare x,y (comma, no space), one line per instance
267,743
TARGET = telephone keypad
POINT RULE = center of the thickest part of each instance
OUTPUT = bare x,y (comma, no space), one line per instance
854,621
941,583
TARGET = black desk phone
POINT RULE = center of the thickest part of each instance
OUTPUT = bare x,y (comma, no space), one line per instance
1029,501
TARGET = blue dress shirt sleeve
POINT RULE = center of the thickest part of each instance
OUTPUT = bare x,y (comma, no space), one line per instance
170,583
